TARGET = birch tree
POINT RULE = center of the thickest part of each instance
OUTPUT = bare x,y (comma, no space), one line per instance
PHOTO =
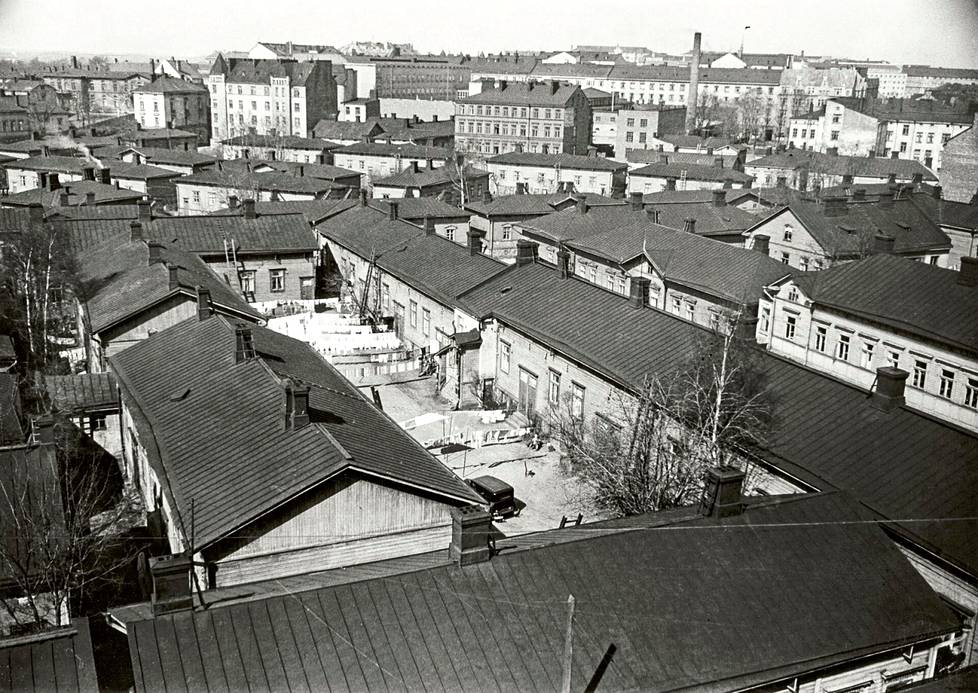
650,451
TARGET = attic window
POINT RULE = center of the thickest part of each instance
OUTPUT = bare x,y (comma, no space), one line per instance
903,225
178,395
848,229
505,289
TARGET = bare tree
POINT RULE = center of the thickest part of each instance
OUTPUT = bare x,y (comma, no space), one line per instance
64,521
650,453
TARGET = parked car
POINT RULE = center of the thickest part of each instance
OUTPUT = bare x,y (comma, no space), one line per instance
499,495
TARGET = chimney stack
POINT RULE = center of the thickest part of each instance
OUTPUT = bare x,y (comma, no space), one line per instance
471,526
475,241
297,406
936,192
670,183
762,243
563,262
429,226
171,583
653,214
883,243
135,231
90,198
694,79
42,180
105,176
249,208
44,429
638,288
88,173
526,251
859,194
582,205
720,198
835,206
890,385
244,343
722,492
968,272
35,212
54,183
486,197
155,252
414,167
145,210
64,198
891,179
174,273
232,201
204,308
782,182
392,209
636,201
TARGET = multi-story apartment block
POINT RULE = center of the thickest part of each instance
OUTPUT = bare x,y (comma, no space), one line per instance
959,173
549,118
269,97
924,78
850,320
412,76
374,160
95,94
637,128
168,102
809,170
891,80
807,86
896,128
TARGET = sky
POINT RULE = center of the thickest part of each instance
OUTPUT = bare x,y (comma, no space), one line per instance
935,32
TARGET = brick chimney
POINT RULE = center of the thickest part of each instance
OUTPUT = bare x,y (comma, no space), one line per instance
694,80
35,212
720,198
526,251
722,492
883,243
174,276
471,527
54,183
171,583
428,224
105,176
762,243
296,406
486,197
563,262
638,291
582,205
90,198
474,237
232,201
249,208
88,173
890,385
636,201
392,209
859,194
670,183
42,180
155,252
64,198
204,307
145,210
782,182
937,192
135,231
891,179
244,343
968,272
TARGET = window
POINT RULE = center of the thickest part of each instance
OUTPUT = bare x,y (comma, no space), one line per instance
893,358
577,401
971,393
629,136
920,374
414,313
787,233
553,391
866,361
842,348
789,326
505,352
903,147
450,233
677,305
690,310
425,322
947,383
385,295
820,334
906,130
765,319
507,232
785,257
247,278
276,280
834,135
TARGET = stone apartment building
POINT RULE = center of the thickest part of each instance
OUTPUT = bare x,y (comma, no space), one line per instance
269,97
897,128
806,169
852,319
376,160
547,118
923,78
96,94
174,103
959,174
541,173
638,128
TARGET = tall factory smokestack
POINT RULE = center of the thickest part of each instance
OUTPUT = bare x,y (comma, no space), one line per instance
694,81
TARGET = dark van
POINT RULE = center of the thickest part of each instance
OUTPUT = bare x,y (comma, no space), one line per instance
497,493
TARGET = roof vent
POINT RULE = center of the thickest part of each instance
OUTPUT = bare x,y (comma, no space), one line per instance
296,406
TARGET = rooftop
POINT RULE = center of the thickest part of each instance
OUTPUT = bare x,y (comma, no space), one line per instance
423,177
571,161
530,93
831,164
61,660
280,141
906,110
404,151
170,85
187,384
692,172
77,192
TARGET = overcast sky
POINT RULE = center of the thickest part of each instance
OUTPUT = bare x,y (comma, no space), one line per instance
937,32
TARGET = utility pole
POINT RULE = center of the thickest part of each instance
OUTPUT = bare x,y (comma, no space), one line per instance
568,645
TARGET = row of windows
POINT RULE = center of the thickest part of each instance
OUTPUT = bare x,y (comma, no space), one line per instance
413,316
517,112
920,367
503,147
478,127
276,280
529,380
541,177
279,91
254,106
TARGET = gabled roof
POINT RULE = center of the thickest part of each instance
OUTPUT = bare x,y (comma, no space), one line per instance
163,155
947,213
417,208
570,223
426,177
651,156
827,433
280,141
695,141
403,151
346,130
219,426
713,618
202,235
82,392
710,219
558,94
692,172
119,282
912,297
124,169
846,235
315,211
903,110
234,178
302,170
571,161
58,164
711,267
169,85
77,195
861,166
431,264
512,205
151,134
